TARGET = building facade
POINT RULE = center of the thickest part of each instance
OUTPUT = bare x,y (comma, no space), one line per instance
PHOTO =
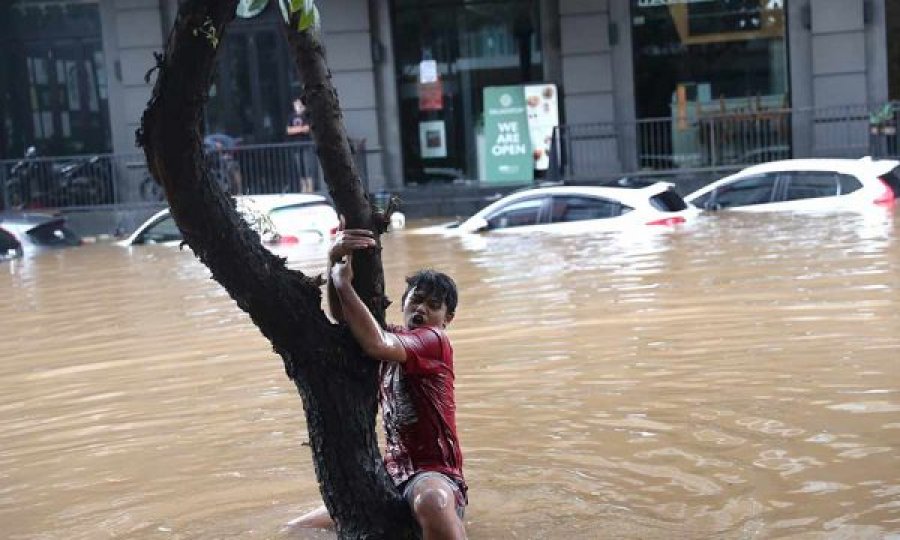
656,77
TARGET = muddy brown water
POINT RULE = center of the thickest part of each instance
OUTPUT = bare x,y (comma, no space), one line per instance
739,378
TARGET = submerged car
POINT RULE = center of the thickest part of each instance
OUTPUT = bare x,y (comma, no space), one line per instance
10,248
804,185
579,208
37,232
279,220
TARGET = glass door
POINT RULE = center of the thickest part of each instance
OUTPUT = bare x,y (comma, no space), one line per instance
250,97
446,53
56,73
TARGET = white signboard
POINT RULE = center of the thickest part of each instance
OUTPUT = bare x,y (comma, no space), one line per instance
542,107
428,71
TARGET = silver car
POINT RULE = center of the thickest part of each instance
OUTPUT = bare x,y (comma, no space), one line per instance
37,232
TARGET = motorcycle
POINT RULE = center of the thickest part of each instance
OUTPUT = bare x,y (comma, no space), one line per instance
221,163
34,182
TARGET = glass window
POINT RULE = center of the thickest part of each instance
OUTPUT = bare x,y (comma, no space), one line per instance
164,230
745,192
892,179
53,67
810,185
251,92
582,208
711,81
668,201
446,53
517,214
892,20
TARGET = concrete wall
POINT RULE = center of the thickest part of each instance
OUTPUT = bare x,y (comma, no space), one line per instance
838,56
348,38
589,68
132,32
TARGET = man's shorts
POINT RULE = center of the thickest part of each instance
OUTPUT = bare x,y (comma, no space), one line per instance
459,497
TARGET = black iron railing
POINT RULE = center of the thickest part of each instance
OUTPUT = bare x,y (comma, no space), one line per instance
114,179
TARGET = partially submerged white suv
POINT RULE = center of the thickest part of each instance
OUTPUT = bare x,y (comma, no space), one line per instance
804,185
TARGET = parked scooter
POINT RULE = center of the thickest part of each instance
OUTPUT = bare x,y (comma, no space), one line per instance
221,163
34,182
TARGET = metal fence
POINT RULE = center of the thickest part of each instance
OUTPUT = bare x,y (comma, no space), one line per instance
584,152
118,179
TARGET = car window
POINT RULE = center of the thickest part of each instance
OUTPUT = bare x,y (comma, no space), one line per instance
848,183
668,201
745,192
53,233
810,185
893,180
574,208
517,214
164,230
703,200
302,217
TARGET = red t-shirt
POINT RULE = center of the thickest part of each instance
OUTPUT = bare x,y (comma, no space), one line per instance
418,407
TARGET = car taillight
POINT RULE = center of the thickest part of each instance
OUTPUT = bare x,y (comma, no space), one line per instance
334,230
287,239
887,196
667,221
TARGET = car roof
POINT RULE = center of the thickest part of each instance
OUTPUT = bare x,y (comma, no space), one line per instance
265,203
849,166
629,196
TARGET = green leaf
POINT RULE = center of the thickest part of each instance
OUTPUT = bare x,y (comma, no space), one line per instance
247,9
309,13
309,19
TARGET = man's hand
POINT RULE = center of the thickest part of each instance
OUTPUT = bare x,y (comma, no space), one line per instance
348,241
342,272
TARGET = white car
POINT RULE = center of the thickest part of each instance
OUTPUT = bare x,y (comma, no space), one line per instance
804,185
578,209
279,219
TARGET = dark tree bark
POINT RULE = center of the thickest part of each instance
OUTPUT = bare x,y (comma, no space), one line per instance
337,384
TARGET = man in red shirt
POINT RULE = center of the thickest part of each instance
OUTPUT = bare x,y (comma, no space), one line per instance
418,407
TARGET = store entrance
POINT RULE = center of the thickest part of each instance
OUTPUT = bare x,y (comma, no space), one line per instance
446,54
55,73
711,82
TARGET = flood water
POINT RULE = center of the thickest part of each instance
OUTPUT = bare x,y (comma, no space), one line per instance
739,378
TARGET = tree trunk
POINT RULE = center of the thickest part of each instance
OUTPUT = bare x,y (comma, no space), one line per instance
338,386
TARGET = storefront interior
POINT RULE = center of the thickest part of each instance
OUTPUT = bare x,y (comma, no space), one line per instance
465,46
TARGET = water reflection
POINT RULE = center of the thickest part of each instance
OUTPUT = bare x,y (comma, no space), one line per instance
733,379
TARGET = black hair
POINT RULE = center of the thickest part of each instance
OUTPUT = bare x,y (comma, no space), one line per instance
436,285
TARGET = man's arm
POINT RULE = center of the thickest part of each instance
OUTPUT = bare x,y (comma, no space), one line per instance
345,243
375,342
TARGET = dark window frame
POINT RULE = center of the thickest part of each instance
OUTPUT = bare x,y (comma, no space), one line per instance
543,216
618,207
714,203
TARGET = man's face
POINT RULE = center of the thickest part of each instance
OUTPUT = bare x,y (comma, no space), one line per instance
420,309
